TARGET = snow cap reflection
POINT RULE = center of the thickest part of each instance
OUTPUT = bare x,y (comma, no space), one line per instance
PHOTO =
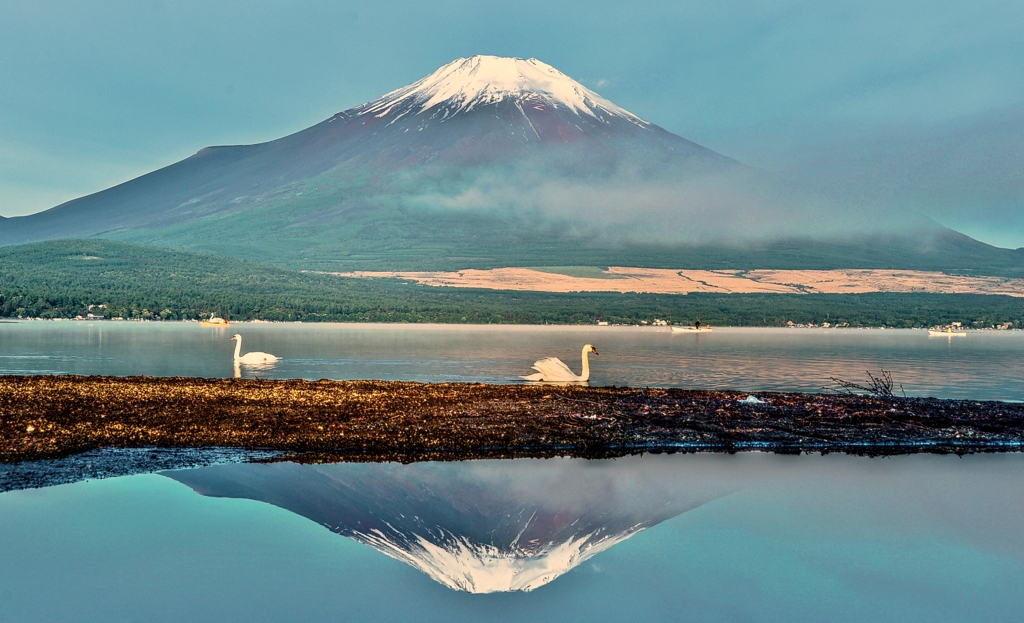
480,526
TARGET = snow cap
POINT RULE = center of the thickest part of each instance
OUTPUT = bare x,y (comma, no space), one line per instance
467,83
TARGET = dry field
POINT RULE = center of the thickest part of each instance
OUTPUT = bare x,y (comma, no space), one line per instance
671,281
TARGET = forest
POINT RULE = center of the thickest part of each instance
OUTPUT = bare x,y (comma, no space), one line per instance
71,278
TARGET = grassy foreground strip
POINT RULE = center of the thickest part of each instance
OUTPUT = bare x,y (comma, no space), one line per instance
54,416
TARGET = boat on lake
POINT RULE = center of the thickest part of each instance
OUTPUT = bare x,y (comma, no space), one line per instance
947,332
214,321
704,329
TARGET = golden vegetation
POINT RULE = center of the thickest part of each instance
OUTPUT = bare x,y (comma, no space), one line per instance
52,416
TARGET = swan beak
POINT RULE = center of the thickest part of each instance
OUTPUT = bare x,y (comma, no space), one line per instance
594,350
233,339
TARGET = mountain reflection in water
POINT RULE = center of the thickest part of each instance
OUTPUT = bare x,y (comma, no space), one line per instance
481,526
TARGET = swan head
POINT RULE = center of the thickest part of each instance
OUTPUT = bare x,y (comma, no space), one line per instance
236,336
589,348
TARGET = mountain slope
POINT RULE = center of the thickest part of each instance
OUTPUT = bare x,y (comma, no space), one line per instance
489,162
468,114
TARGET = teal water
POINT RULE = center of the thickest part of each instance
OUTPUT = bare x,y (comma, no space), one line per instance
747,537
980,366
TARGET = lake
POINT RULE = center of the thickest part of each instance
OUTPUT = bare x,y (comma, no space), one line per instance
985,365
707,537
748,537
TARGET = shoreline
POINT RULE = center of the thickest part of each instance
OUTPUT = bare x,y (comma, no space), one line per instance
443,326
50,417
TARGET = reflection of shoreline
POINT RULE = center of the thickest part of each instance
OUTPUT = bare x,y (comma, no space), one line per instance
481,527
116,462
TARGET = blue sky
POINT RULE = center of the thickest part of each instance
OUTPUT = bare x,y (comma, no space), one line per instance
913,105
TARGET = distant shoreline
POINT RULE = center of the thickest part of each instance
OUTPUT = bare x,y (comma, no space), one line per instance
48,417
666,328
52,280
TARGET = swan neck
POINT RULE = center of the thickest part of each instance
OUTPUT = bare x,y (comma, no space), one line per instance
238,347
586,367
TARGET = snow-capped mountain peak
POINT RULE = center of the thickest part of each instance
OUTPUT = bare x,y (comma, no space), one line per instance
466,84
464,564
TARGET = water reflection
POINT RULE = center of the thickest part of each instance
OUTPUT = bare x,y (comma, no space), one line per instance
255,370
480,527
561,383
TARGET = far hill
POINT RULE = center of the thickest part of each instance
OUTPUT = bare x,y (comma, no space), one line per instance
498,162
62,279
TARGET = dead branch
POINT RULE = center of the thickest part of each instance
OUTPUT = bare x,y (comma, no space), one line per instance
880,386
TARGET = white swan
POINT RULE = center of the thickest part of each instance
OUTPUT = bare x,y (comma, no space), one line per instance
253,357
552,369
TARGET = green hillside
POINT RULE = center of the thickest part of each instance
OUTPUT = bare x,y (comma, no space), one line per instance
63,278
305,235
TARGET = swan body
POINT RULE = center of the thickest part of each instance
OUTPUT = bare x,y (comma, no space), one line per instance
253,357
552,369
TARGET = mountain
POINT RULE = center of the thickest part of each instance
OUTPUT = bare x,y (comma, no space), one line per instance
469,113
494,161
479,526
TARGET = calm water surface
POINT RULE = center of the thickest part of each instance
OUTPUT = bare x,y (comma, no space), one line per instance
979,366
748,537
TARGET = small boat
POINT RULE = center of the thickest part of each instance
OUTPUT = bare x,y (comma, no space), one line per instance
948,332
214,321
704,329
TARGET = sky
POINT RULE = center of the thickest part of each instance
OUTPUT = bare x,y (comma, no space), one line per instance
911,105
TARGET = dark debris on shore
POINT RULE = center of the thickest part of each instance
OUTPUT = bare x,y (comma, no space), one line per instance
44,417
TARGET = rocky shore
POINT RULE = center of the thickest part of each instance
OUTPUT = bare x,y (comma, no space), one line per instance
47,417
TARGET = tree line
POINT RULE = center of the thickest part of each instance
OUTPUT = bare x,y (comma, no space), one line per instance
66,279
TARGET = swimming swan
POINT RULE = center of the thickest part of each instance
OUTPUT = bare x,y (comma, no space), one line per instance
253,357
552,369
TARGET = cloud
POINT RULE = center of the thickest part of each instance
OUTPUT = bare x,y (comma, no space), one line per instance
728,207
967,174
